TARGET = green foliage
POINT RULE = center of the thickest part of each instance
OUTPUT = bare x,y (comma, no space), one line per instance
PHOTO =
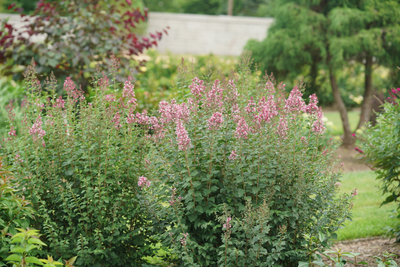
242,191
23,244
15,211
382,150
80,164
158,80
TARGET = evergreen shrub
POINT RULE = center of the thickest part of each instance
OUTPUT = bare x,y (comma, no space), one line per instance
239,179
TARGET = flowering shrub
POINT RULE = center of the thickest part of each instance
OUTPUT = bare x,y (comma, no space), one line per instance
240,178
79,164
382,149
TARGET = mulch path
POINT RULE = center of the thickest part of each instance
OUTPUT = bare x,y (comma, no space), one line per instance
369,247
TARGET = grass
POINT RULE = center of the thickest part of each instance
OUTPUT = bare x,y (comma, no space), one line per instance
369,218
334,117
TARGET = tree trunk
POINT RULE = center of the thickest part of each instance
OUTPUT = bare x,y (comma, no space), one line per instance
348,140
366,106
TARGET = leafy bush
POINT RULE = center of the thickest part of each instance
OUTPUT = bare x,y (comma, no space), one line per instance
382,149
25,242
75,34
240,178
15,211
80,163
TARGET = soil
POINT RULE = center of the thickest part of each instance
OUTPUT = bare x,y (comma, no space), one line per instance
370,247
352,160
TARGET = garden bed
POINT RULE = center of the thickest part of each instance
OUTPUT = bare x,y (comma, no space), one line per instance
368,247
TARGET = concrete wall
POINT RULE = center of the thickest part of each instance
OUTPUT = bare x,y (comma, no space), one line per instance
203,34
199,34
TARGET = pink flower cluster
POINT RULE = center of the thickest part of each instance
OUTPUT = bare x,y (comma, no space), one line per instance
227,225
215,121
72,91
266,110
60,103
37,132
173,112
17,158
12,132
233,155
295,102
109,98
197,88
116,120
318,125
282,127
143,182
173,200
184,141
129,93
251,106
214,98
242,129
183,239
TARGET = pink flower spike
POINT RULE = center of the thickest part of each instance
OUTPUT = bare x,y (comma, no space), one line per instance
354,135
184,141
242,129
215,121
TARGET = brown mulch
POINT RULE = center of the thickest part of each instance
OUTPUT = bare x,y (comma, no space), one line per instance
369,247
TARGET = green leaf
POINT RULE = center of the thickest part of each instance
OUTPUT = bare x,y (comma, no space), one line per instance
33,240
14,257
303,264
33,260
18,250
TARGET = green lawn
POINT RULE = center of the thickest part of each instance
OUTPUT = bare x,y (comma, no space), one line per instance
368,217
337,127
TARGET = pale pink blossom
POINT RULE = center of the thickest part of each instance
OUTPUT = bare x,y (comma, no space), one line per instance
109,98
338,184
269,86
183,239
173,112
12,132
215,121
17,158
282,127
73,93
319,125
227,225
184,141
36,131
233,155
129,93
173,200
295,102
242,129
251,106
143,182
267,109
142,118
116,120
197,88
214,97
60,103
312,107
